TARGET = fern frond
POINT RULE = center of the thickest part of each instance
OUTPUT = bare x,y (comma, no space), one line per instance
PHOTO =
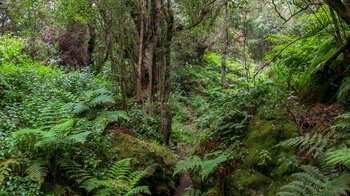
37,170
139,189
66,96
101,99
79,137
119,180
341,156
315,143
119,170
106,117
313,182
209,166
80,108
338,186
76,171
6,167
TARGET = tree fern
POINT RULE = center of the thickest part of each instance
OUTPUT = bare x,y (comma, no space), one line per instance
316,143
313,182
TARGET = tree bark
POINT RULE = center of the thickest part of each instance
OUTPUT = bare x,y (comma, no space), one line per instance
336,27
224,51
91,43
340,8
140,60
121,68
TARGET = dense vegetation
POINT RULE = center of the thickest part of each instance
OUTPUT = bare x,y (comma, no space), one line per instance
174,97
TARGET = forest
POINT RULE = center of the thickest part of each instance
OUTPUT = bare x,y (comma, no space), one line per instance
175,97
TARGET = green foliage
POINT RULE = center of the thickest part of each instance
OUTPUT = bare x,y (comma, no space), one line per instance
344,93
313,182
145,126
341,156
203,167
118,181
37,171
6,167
316,143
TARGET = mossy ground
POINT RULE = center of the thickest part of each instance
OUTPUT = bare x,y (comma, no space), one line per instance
160,180
265,167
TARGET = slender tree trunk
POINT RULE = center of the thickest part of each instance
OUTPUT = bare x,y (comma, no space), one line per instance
336,27
338,35
91,43
121,68
224,51
140,60
340,8
166,115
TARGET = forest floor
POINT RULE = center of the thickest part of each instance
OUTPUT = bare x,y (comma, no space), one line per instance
185,179
181,151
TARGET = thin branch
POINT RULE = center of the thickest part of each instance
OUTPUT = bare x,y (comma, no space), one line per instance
280,52
201,17
294,14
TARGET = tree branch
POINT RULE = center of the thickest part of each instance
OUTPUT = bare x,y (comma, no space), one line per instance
201,17
293,42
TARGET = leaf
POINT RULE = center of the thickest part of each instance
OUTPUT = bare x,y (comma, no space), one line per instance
79,138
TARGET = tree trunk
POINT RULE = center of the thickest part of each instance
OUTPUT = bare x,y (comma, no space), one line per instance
121,68
91,43
336,27
342,10
140,60
166,115
224,51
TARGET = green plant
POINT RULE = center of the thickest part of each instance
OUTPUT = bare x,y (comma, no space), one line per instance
203,167
313,182
316,143
343,94
118,181
6,168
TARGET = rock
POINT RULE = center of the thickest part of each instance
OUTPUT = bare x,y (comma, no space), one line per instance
161,180
264,164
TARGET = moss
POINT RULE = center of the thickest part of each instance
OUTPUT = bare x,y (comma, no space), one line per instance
264,135
265,166
215,191
246,181
160,180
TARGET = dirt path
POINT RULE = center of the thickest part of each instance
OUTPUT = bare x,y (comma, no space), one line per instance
185,179
185,182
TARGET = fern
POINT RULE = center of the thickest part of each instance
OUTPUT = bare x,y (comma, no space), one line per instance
75,171
313,182
66,96
118,180
53,113
341,156
316,143
6,167
37,170
203,167
3,81
92,99
344,93
107,117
